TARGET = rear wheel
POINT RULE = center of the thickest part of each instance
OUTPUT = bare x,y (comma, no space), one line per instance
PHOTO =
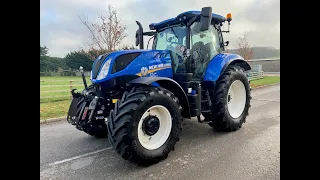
145,125
231,100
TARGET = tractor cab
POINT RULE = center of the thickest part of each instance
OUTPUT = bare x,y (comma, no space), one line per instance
193,37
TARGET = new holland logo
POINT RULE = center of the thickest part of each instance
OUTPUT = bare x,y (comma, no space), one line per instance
144,71
153,68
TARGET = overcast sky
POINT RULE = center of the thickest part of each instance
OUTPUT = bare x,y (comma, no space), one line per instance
61,30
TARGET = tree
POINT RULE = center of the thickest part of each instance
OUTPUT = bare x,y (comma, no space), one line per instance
92,53
48,63
243,48
106,34
54,63
127,47
76,59
44,59
43,51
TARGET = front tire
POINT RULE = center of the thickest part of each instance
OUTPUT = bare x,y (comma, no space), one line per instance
231,100
145,125
97,129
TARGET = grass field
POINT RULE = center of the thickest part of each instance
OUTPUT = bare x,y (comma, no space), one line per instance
265,81
51,103
58,106
53,89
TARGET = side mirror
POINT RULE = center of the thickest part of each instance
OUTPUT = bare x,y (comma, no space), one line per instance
139,35
205,20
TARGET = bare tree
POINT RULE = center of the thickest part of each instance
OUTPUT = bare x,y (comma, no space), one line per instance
106,34
243,48
92,53
127,47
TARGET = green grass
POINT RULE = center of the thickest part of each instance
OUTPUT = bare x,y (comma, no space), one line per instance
60,84
57,107
265,81
54,109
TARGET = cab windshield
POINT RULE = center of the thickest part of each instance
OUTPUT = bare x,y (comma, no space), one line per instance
204,45
172,38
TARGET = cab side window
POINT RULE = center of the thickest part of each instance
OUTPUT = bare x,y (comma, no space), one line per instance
204,46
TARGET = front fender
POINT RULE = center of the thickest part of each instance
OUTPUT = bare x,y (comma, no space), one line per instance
170,85
220,62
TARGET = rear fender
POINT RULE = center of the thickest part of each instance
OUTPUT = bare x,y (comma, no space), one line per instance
220,63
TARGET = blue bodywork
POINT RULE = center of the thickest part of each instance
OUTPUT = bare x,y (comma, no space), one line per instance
217,64
156,62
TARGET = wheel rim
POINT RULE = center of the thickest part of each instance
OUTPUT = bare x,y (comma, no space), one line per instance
236,99
149,135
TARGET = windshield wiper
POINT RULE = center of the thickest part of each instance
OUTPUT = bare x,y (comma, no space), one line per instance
174,32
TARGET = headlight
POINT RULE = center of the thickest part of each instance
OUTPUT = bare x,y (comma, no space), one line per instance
104,70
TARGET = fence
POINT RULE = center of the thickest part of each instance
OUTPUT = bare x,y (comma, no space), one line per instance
64,73
268,65
65,88
257,72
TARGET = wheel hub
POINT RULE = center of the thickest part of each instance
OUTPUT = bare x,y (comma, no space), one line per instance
154,127
151,125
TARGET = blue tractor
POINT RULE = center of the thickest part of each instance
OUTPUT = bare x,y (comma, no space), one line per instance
138,98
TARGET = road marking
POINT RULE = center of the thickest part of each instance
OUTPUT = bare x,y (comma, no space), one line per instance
77,157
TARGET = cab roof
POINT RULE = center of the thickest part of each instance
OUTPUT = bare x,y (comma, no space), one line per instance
189,14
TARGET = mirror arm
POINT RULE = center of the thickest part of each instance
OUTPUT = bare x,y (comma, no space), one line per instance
150,33
228,28
192,20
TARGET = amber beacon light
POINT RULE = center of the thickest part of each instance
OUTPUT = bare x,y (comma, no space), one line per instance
229,17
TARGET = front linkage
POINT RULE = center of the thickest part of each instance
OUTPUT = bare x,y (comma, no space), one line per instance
87,110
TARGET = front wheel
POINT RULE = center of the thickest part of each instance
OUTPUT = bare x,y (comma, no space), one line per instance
98,129
145,125
231,100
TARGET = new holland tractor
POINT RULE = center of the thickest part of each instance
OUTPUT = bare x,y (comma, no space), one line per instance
138,98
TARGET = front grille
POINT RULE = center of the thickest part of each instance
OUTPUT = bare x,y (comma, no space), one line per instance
97,65
123,61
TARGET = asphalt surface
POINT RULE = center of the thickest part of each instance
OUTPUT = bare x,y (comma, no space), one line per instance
251,153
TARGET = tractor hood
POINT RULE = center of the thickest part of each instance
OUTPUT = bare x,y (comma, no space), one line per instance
131,63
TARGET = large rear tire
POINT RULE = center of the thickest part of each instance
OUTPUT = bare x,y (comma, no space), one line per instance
145,125
231,100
